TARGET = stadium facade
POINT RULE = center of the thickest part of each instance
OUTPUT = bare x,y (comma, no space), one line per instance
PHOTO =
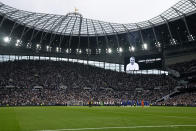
71,37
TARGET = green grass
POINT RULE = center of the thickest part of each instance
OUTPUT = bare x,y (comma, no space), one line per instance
53,118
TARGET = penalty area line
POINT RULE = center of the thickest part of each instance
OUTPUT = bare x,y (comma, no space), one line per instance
128,127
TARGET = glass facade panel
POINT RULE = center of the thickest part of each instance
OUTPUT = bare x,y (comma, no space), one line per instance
108,66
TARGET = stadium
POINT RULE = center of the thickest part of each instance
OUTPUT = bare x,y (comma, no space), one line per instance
68,72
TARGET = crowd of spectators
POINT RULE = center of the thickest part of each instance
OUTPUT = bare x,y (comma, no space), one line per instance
187,72
64,83
183,99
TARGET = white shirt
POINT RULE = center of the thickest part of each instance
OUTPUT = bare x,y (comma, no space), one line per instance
133,67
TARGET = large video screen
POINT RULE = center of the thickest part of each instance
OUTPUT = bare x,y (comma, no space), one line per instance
134,63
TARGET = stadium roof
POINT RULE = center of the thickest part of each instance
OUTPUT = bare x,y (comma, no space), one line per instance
75,24
117,11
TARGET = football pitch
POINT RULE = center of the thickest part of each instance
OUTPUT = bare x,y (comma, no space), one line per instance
97,118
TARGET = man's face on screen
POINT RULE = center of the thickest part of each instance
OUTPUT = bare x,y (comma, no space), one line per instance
132,60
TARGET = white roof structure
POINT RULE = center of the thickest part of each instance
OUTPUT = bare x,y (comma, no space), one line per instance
74,23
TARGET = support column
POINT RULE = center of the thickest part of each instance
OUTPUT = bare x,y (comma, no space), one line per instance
120,53
140,30
88,42
106,39
153,28
79,37
166,21
97,38
181,14
70,38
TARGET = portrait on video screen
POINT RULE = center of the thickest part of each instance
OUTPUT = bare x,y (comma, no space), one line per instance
132,66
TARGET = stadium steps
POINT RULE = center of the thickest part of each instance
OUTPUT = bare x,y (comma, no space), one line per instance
169,95
173,72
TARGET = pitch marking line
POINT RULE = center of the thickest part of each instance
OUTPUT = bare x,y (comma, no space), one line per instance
129,127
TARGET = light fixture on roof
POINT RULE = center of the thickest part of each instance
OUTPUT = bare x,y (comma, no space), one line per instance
78,51
28,45
68,51
48,48
108,50
18,42
191,38
158,44
58,49
7,39
98,51
132,49
38,47
144,46
88,51
120,50
173,41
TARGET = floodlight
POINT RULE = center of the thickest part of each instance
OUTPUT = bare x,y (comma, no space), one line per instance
145,46
78,51
88,51
7,39
158,44
120,50
38,47
98,51
132,48
18,42
109,50
48,48
68,51
28,45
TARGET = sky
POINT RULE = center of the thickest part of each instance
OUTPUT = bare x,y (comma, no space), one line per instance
117,11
